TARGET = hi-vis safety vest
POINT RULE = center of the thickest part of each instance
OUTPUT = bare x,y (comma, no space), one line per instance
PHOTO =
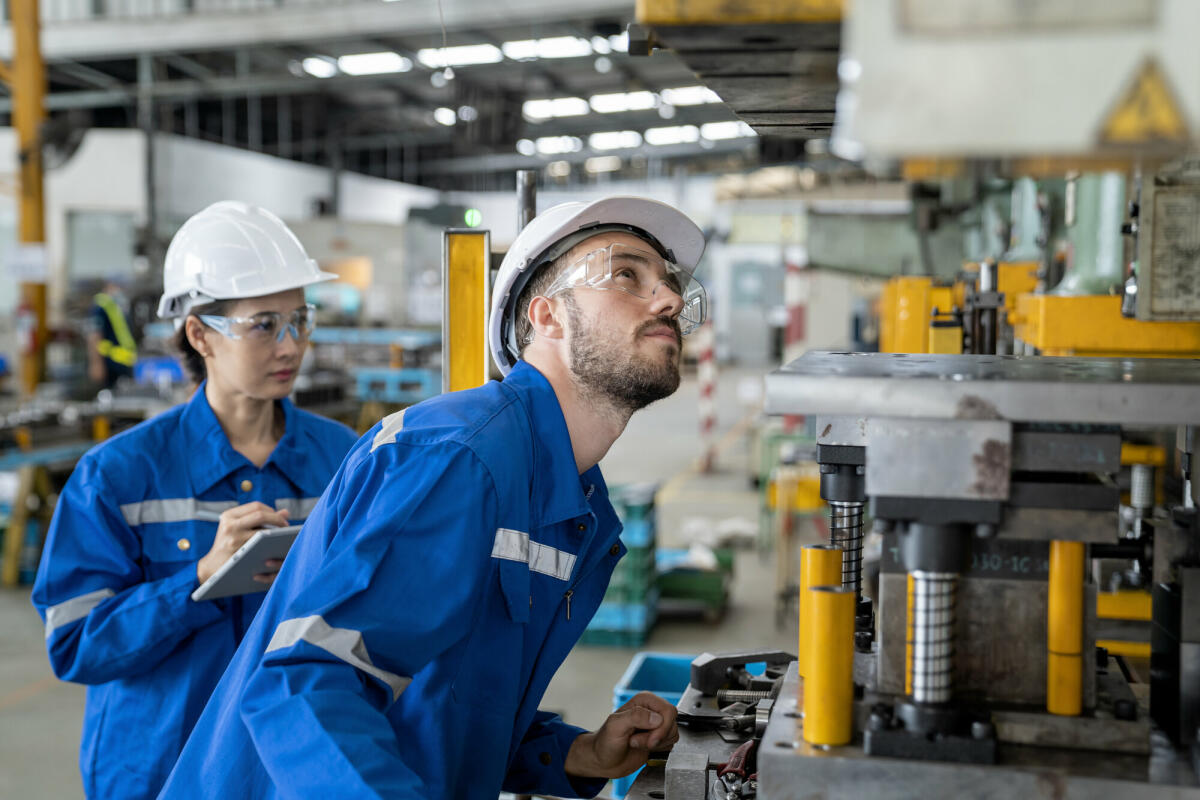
124,350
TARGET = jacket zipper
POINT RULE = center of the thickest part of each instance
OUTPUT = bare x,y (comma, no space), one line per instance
568,599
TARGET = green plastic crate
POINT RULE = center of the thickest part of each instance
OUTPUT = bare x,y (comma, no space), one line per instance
633,501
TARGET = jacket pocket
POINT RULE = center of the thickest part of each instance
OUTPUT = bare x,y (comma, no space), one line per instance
489,670
170,548
514,586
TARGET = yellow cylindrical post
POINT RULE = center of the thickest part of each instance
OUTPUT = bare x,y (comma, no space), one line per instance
465,296
1064,629
101,427
820,565
29,89
829,696
908,636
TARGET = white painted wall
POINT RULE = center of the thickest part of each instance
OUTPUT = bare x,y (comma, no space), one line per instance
694,196
106,173
367,199
192,174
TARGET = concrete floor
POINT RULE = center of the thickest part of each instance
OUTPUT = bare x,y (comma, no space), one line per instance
40,716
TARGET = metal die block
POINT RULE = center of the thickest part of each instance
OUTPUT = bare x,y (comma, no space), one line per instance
1082,494
844,431
687,775
944,458
1053,451
789,769
1070,525
996,622
1103,391
1000,627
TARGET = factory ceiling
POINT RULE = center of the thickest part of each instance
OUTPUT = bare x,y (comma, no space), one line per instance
383,89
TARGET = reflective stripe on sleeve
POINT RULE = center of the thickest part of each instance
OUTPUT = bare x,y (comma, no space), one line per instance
298,508
75,608
392,425
346,644
515,546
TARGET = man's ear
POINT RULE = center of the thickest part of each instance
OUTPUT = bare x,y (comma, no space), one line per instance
544,317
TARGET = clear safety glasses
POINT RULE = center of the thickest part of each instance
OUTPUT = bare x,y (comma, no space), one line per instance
266,327
641,273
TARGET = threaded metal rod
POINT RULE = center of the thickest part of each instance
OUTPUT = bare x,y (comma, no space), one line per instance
933,601
1141,487
846,532
727,696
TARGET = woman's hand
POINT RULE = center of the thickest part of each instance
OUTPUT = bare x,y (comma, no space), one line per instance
235,528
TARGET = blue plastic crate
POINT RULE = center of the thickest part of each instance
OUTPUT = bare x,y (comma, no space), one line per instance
403,385
154,369
665,674
626,616
639,532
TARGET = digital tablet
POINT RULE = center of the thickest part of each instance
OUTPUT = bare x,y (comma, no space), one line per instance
236,576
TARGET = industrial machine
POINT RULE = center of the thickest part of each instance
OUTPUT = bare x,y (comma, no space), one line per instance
992,478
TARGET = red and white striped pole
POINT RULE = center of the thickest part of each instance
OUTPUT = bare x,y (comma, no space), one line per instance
706,371
795,301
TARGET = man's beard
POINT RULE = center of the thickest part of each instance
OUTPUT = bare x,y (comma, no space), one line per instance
611,369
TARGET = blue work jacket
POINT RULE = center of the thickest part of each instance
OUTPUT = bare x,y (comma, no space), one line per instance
446,573
119,567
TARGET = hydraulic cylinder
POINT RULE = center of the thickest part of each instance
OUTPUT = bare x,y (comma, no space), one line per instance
1064,630
829,696
820,565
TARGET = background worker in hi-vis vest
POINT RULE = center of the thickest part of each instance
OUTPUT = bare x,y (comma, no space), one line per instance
112,350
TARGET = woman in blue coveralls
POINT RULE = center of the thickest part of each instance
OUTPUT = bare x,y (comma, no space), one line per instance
149,515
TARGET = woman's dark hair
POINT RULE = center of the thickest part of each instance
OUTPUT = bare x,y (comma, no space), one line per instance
193,362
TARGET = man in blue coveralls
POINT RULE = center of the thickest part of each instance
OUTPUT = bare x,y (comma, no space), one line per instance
463,547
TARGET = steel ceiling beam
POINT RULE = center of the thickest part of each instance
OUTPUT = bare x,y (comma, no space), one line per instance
93,38
504,162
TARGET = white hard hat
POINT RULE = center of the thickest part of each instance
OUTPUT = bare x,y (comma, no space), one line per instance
232,250
670,230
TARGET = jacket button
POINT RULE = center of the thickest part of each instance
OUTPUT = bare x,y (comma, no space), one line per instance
581,527
247,486
184,544
545,758
615,550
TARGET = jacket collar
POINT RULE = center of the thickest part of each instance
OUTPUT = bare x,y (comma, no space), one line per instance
211,458
559,491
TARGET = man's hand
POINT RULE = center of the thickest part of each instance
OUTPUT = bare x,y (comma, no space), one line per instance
624,741
236,527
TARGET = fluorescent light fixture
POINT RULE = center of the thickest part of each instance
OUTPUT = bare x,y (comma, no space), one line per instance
614,140
553,47
558,169
556,145
461,56
602,164
536,110
320,67
373,63
601,46
620,43
526,147
622,101
445,116
690,96
715,131
676,134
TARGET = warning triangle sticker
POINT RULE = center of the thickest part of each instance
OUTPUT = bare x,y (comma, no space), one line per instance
1147,113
